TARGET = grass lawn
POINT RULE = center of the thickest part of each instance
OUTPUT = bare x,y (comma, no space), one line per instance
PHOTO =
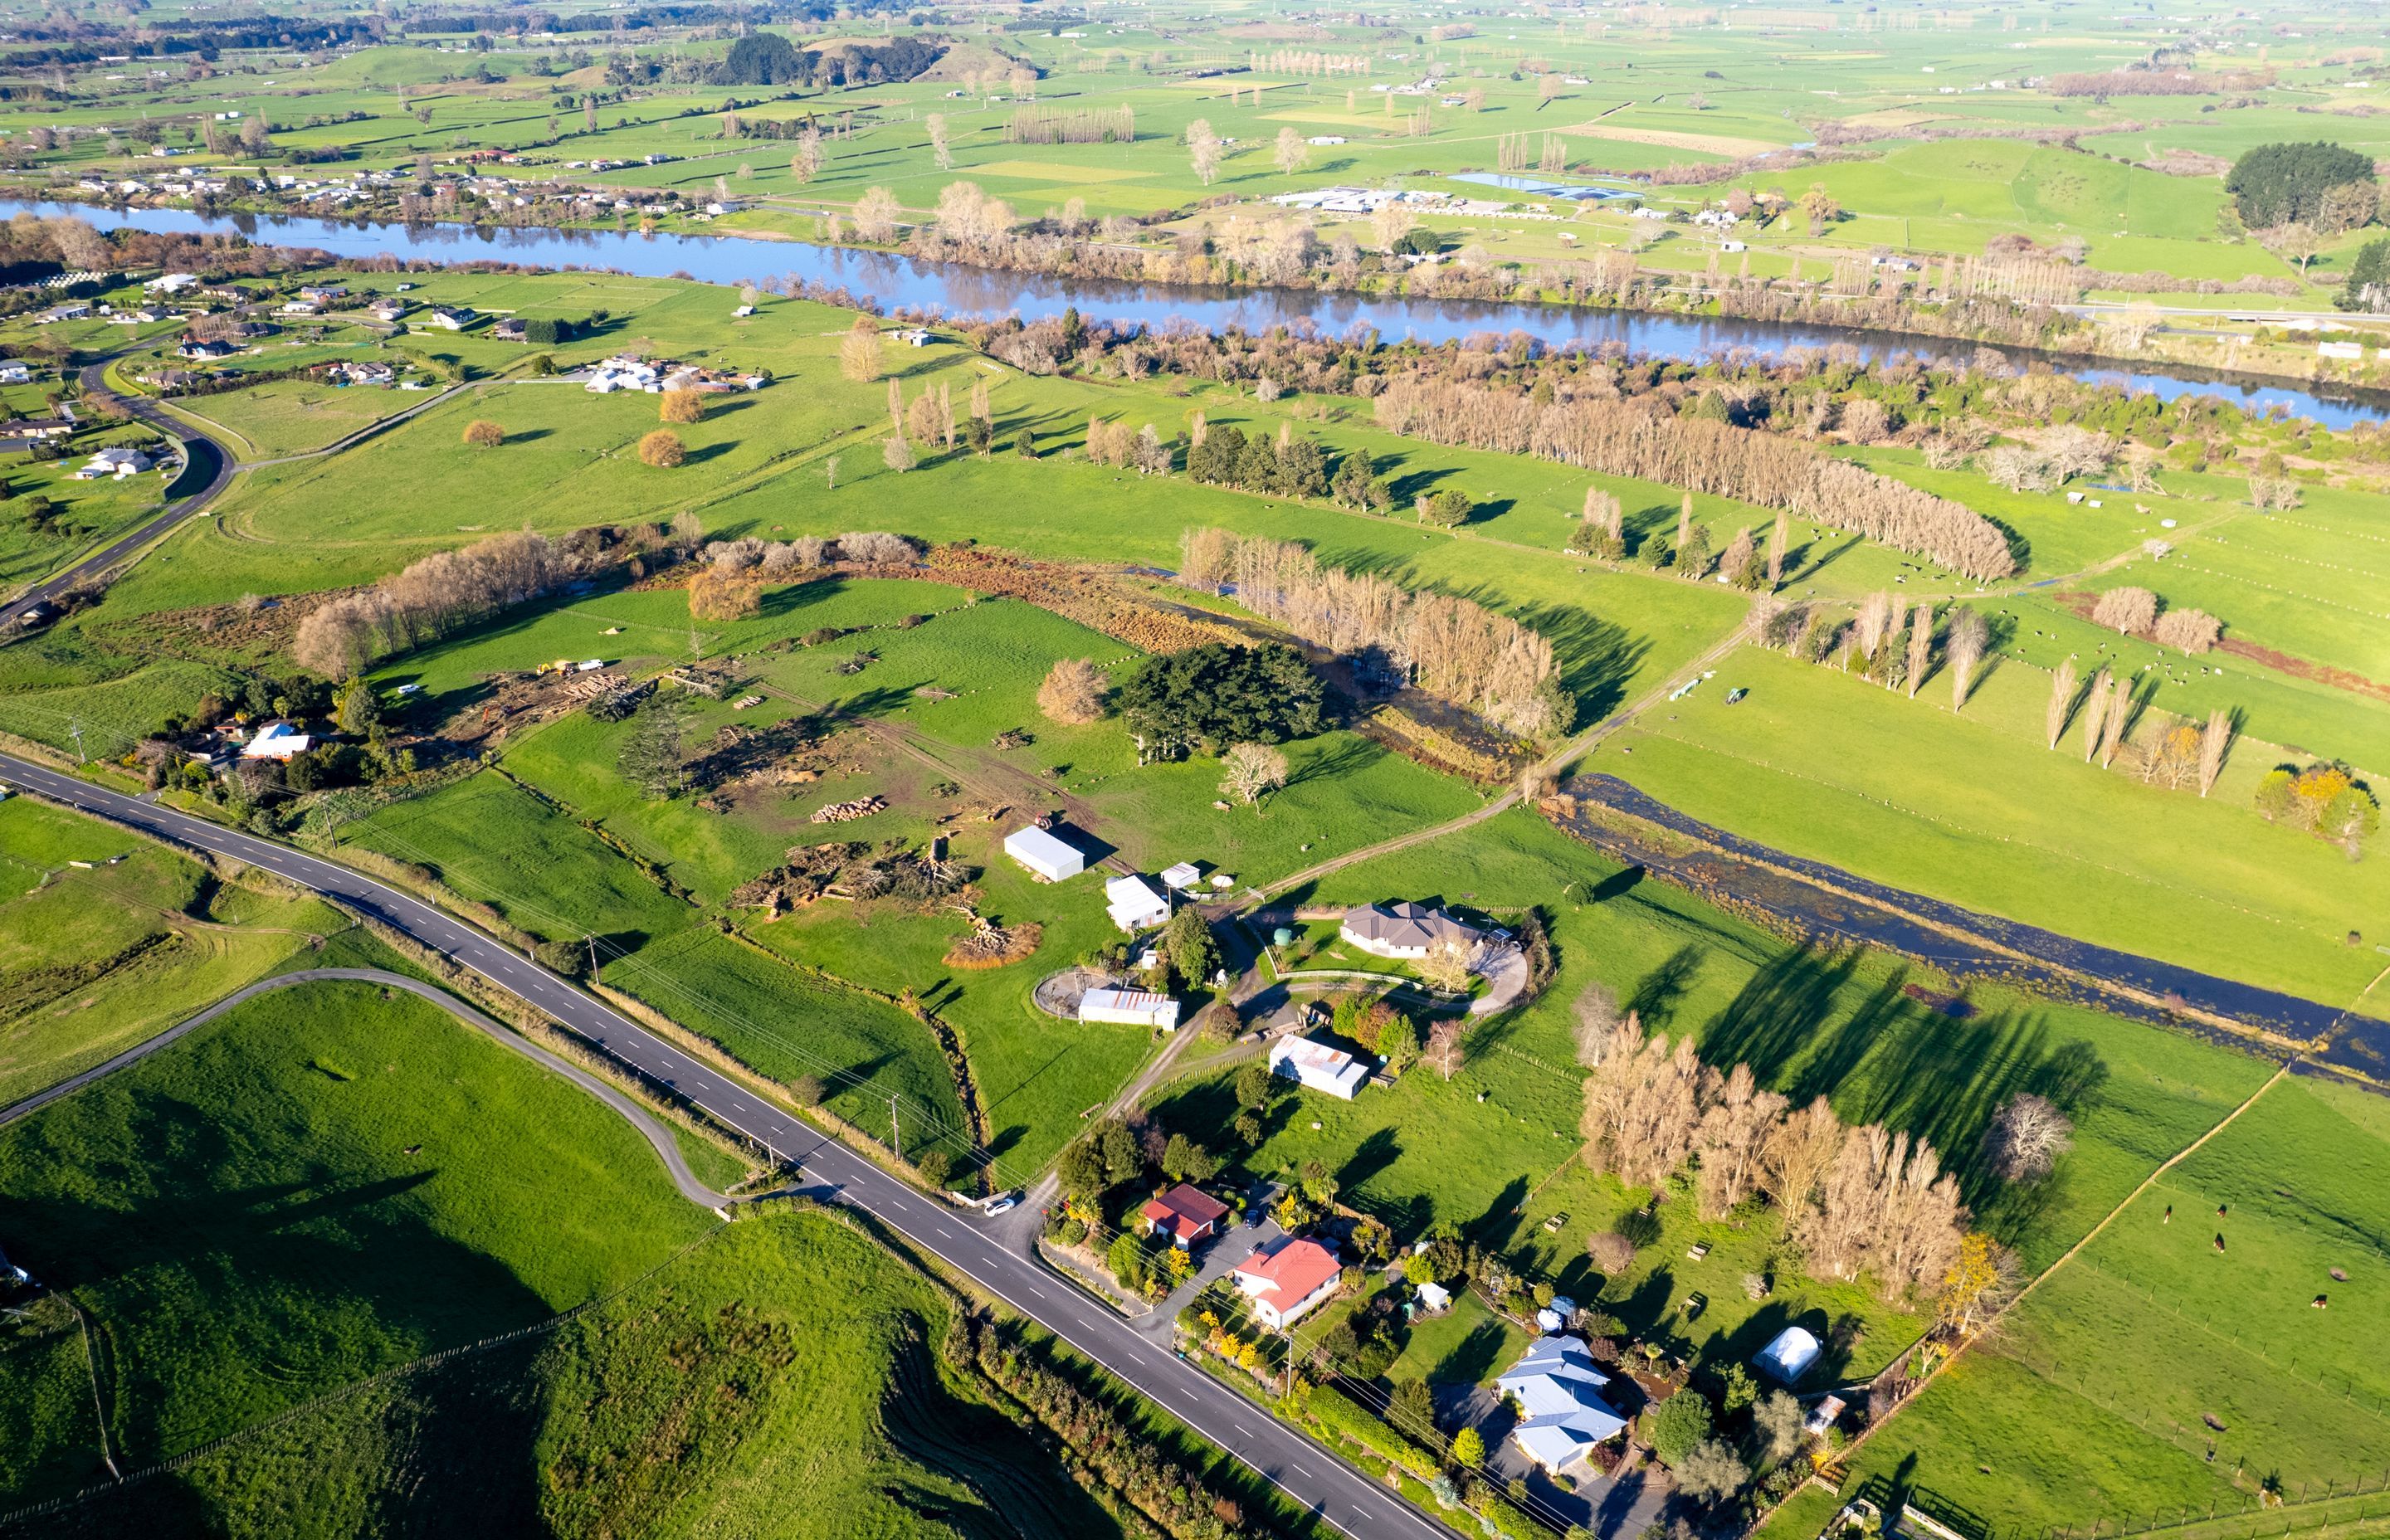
319,1185
95,961
292,417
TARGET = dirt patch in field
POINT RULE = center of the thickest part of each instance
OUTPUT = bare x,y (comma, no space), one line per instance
2081,605
2322,673
1726,144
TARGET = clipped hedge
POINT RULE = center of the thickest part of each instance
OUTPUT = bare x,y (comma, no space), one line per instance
1340,1415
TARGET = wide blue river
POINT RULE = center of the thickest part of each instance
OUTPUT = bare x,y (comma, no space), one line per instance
958,290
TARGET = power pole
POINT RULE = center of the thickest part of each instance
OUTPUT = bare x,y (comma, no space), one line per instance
74,727
895,1135
592,939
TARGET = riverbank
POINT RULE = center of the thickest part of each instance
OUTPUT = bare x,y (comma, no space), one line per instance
955,286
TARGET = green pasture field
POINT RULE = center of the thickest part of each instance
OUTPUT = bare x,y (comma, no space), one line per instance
95,961
294,416
2309,580
2096,1400
500,845
1036,1075
319,1185
1827,766
1811,1021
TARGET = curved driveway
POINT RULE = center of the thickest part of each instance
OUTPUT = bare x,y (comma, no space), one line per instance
1307,1472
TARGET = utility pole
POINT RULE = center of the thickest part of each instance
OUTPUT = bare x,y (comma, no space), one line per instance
895,1134
592,939
74,727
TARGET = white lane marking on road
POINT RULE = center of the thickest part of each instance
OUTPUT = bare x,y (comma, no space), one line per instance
864,1177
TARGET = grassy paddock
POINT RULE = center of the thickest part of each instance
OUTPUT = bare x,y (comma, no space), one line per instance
319,1185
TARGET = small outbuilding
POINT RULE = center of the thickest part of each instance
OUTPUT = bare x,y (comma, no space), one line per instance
1044,854
1180,878
1789,1356
1319,1067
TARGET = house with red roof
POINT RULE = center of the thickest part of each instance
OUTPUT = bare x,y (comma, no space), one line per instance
1288,1280
1185,1214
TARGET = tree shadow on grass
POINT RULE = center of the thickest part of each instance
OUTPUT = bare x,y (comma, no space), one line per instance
1472,1358
1655,997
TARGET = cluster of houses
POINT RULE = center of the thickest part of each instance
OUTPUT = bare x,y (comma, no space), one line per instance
630,372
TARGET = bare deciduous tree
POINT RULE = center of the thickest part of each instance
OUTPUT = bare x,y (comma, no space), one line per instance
2189,630
2126,611
1291,153
2062,702
1074,692
1203,149
1446,964
1251,770
875,215
858,352
1921,647
940,149
1963,650
2214,742
2095,714
2025,1137
2111,734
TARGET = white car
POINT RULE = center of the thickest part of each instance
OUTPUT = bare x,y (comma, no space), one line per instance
1002,1204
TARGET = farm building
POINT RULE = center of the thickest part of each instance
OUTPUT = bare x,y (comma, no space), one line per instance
1185,1214
1131,1007
1134,904
1402,930
1789,1357
1317,1066
1288,1280
1561,1413
1043,855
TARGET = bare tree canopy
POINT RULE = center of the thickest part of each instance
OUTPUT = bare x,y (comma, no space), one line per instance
2025,1137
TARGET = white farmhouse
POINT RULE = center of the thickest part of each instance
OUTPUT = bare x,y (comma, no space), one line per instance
1561,1414
115,462
275,740
1042,854
1317,1067
1402,930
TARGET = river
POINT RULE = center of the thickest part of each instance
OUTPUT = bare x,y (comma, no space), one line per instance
960,290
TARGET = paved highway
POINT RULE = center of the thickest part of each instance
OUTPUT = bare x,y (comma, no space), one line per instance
1315,1479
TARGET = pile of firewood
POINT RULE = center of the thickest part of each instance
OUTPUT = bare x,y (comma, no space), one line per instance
839,813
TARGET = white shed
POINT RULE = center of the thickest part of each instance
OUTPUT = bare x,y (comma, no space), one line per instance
1133,1007
1789,1357
1134,904
1044,854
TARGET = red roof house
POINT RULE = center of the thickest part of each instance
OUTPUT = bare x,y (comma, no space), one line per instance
1185,1214
1288,1280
